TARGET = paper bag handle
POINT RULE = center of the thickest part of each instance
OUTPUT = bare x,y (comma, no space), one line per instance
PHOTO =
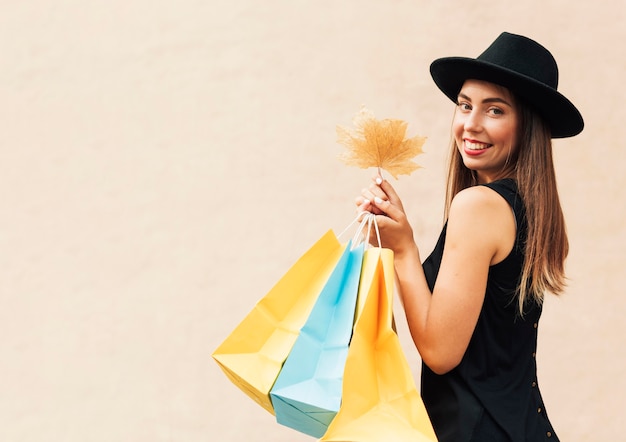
369,219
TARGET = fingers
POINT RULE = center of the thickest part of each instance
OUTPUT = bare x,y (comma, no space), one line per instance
374,191
389,191
382,196
362,204
385,208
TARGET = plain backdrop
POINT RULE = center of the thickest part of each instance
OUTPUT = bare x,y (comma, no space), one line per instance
164,163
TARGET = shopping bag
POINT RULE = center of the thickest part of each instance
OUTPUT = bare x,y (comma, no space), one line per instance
307,393
380,401
253,354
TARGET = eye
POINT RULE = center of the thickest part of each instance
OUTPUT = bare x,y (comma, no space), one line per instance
496,111
464,106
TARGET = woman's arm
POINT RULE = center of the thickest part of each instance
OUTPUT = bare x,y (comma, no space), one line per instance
480,232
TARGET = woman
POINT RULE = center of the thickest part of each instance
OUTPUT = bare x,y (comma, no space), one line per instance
473,306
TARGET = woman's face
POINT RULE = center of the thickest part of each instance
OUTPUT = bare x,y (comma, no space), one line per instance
485,128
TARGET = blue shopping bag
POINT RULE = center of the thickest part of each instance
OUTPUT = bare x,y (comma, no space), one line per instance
307,392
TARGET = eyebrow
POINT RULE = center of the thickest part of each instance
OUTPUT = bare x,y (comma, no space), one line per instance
487,100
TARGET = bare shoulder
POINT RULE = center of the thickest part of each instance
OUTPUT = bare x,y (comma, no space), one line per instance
481,218
478,201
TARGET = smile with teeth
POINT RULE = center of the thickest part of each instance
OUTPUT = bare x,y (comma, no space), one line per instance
474,145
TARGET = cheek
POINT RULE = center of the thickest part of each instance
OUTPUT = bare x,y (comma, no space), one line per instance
507,135
513,143
457,127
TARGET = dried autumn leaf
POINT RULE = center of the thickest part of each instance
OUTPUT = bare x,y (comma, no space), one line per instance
380,143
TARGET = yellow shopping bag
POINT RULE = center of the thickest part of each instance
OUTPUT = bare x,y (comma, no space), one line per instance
253,354
379,399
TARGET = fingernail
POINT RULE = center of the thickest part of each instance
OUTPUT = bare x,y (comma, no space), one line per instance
379,181
378,200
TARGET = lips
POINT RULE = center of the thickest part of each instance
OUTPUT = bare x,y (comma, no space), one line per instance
472,147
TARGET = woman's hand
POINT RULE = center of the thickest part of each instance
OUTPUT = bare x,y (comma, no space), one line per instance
381,199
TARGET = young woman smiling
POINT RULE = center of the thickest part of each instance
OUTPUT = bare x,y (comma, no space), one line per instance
473,306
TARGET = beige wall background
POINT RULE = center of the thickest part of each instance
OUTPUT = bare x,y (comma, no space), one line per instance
164,163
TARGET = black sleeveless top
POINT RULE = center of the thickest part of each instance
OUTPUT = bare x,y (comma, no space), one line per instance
492,395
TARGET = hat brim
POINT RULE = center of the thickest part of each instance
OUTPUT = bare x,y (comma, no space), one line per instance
559,113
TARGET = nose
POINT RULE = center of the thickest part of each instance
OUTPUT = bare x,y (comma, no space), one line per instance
472,121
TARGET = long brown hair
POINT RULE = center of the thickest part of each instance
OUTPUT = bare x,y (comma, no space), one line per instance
532,167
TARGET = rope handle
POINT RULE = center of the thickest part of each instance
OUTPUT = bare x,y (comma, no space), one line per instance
368,219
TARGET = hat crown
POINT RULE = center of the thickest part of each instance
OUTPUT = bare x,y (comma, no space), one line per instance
523,56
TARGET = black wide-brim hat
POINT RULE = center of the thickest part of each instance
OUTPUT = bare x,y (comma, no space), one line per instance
525,68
